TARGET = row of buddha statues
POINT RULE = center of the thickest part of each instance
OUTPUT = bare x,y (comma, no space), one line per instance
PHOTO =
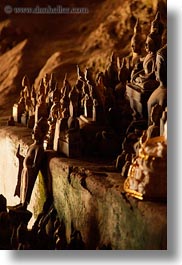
117,113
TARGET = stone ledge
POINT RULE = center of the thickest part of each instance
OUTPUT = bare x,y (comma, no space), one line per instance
88,195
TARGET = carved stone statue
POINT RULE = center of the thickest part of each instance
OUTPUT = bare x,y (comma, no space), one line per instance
31,165
74,101
159,96
67,135
111,73
46,79
26,86
145,78
136,47
143,82
19,108
53,116
123,77
147,175
65,90
51,86
41,109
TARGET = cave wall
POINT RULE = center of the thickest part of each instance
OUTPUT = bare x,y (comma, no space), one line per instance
88,196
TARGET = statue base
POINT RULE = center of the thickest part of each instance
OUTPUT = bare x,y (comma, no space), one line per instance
138,98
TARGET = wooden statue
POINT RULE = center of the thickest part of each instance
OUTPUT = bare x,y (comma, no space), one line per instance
136,47
145,78
53,116
31,165
41,109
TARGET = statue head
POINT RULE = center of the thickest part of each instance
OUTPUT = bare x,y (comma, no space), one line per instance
161,65
156,25
152,43
40,130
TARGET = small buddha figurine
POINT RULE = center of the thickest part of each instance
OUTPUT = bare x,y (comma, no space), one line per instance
26,87
33,96
145,78
101,88
31,165
46,79
88,106
123,77
136,47
159,96
61,127
72,135
49,97
65,90
41,109
74,100
111,73
19,108
53,116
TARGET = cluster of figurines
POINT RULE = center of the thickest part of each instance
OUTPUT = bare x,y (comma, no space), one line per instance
66,109
48,232
124,107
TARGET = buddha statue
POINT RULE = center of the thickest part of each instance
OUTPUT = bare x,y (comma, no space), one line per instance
19,108
46,85
26,87
41,109
65,90
159,95
136,47
51,85
111,73
123,77
145,78
53,116
31,165
157,25
74,100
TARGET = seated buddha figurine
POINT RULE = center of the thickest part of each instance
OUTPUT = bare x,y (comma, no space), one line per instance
136,47
145,78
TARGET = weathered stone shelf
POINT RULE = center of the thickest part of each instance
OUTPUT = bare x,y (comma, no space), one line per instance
87,194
